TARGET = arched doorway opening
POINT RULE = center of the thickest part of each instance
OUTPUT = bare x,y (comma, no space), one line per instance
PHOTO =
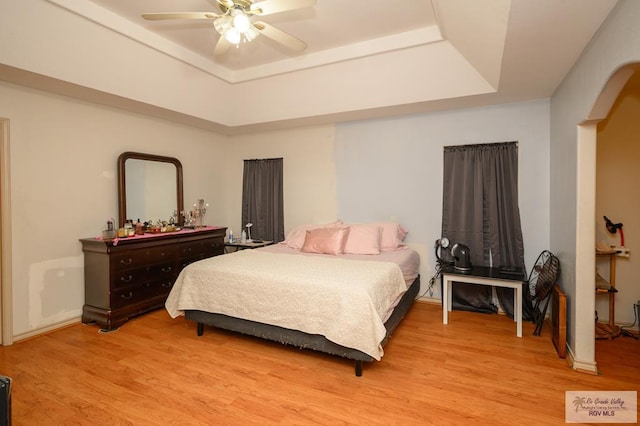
585,216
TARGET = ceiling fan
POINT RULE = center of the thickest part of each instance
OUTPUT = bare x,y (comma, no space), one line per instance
235,26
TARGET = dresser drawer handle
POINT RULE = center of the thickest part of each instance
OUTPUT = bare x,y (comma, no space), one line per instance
126,262
127,297
126,279
167,269
167,285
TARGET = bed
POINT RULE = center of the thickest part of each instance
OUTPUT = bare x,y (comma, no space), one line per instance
318,293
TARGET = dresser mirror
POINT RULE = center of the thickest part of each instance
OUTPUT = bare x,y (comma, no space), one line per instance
149,188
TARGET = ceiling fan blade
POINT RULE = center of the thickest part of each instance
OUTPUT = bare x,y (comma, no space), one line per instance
226,3
221,46
179,15
267,7
280,36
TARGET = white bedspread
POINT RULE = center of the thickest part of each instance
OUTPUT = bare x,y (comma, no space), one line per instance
347,301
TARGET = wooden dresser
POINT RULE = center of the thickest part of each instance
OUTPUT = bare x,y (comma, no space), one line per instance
135,275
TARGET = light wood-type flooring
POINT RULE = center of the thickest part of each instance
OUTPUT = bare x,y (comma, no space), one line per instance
154,370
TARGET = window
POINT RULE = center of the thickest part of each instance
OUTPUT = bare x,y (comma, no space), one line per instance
262,198
480,209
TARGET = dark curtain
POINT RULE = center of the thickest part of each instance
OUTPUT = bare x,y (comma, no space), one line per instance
262,199
480,209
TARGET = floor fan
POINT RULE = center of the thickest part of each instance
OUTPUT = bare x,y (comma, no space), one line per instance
542,278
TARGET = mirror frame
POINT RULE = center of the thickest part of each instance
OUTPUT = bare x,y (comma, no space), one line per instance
122,183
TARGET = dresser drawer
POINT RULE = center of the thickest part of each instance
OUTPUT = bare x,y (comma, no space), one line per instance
141,293
215,247
202,248
141,257
145,274
184,262
198,250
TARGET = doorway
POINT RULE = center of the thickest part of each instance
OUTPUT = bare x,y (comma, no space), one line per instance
585,216
618,154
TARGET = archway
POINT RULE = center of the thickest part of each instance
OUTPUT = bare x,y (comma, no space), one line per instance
585,214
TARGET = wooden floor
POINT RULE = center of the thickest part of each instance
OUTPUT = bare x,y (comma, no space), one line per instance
156,371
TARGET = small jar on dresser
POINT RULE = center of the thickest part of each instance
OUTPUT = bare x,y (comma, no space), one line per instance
130,276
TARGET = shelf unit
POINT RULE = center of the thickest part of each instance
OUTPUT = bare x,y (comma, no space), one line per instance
608,330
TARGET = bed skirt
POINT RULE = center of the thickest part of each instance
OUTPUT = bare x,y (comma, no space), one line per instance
300,339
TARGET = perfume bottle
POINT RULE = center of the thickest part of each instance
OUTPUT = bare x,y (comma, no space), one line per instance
128,227
110,233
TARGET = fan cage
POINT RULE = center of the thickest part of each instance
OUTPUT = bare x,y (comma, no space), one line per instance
542,279
543,275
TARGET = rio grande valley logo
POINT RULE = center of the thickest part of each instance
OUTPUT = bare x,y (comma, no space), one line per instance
601,407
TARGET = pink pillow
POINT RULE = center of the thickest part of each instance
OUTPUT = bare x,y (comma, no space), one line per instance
295,238
363,239
325,240
393,235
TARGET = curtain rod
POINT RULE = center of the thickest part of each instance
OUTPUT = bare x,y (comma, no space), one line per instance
483,145
265,159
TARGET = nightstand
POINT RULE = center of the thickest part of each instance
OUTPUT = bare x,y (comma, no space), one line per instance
235,245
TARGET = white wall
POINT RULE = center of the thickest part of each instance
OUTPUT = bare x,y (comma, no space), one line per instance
616,44
392,170
64,187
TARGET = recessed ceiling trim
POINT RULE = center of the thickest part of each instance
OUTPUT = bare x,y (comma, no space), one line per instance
376,46
135,32
138,33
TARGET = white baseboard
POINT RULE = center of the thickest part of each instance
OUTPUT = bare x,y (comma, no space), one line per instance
581,366
45,330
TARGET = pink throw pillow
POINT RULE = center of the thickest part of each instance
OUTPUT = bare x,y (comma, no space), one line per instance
393,235
325,240
295,238
363,239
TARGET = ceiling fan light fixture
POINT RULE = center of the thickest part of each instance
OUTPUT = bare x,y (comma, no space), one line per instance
233,36
240,20
250,34
222,24
235,24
